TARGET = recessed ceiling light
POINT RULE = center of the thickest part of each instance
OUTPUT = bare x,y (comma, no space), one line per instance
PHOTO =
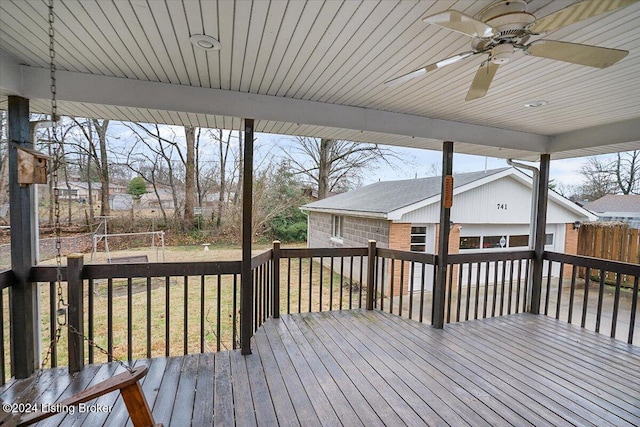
536,104
205,42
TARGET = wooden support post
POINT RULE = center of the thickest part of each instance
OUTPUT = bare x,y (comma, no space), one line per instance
275,294
23,295
371,271
540,236
246,292
75,310
446,200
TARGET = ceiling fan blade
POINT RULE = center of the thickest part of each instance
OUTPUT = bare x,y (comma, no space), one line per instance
421,71
482,80
592,56
575,13
461,23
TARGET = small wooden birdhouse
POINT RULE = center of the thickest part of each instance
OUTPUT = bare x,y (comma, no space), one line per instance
32,166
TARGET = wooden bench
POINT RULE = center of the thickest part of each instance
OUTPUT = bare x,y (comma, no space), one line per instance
129,259
130,389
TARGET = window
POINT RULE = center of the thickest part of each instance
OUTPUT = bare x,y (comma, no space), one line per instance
337,226
470,242
519,241
418,239
494,242
548,239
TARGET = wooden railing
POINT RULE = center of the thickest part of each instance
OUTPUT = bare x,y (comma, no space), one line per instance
5,281
139,310
597,294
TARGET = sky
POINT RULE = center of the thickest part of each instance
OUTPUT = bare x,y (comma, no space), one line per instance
420,163
412,162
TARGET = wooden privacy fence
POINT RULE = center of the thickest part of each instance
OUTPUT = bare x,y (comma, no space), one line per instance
613,241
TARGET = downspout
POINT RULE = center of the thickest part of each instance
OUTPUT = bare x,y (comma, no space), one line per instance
534,198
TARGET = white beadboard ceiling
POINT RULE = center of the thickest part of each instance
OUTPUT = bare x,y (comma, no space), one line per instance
317,68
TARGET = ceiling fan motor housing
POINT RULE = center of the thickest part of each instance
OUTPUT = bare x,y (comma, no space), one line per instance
508,18
502,53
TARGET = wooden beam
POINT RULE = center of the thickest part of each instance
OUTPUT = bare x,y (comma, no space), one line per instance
246,293
539,240
23,295
446,193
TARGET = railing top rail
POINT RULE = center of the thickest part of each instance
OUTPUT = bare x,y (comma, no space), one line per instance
126,270
321,252
489,256
260,259
594,263
407,256
6,278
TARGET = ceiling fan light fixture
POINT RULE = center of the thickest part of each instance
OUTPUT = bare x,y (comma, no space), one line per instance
536,104
205,42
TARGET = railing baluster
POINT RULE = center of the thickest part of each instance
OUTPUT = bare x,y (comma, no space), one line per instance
288,285
468,301
502,283
572,293
129,319
330,284
459,293
616,305
310,283
412,288
495,288
422,291
477,307
434,276
167,306
486,290
391,289
525,292
52,325
341,281
449,288
185,327
202,314
383,278
300,285
218,310
351,282
600,299
110,320
519,280
91,318
148,319
361,281
634,308
509,297
559,297
3,378
548,291
585,299
401,287
234,331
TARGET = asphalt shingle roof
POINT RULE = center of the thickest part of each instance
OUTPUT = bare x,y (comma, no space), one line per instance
615,203
388,196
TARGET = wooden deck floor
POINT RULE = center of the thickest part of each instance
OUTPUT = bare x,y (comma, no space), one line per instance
359,368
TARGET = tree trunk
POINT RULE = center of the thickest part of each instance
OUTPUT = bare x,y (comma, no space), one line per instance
240,168
101,129
189,180
223,178
324,164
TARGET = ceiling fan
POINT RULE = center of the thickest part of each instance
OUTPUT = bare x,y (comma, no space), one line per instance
504,27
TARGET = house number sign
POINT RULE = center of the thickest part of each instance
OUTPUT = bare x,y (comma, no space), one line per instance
502,206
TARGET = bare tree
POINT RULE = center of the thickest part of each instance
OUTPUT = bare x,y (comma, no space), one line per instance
627,172
332,164
189,179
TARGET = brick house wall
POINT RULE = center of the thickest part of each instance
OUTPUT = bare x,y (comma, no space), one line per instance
356,231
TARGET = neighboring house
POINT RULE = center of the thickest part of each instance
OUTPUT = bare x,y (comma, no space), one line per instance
617,207
491,212
120,202
79,191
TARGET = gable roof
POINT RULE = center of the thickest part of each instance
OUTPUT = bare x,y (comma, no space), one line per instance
392,199
388,196
615,203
